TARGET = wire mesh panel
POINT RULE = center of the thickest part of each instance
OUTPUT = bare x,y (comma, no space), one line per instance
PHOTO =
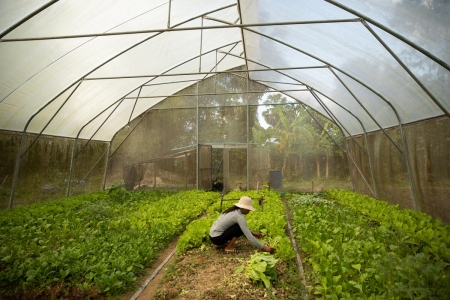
205,167
390,168
259,167
304,148
429,148
45,168
428,145
157,150
9,146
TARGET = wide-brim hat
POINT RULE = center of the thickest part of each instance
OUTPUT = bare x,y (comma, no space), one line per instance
245,202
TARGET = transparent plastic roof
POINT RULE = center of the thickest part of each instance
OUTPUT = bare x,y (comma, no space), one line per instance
87,68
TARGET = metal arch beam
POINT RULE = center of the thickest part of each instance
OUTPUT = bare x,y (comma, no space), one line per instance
375,192
235,43
112,153
346,152
135,103
74,150
332,66
290,78
365,109
101,125
422,86
49,102
370,163
117,55
22,142
23,20
393,33
336,120
51,119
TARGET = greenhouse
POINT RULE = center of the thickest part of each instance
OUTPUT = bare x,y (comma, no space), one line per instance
130,126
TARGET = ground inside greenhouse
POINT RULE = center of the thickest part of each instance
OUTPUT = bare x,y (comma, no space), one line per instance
209,273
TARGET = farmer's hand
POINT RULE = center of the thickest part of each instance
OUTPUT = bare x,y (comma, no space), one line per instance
268,249
257,235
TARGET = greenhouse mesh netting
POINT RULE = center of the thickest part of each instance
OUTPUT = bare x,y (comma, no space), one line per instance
226,95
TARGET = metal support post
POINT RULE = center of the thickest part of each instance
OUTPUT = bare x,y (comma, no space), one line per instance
107,165
168,17
248,139
197,144
201,43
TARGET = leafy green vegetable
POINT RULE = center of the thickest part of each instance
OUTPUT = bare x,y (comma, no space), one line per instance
260,269
104,239
356,256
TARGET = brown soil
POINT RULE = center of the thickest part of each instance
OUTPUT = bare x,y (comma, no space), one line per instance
209,273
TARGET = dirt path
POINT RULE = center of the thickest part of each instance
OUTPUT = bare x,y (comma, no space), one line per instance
207,273
150,290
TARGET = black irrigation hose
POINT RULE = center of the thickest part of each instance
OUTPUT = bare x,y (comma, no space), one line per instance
294,246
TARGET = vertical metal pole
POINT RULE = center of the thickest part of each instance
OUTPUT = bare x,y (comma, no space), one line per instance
215,76
198,148
248,137
107,165
185,171
351,176
72,164
168,18
16,170
408,165
201,43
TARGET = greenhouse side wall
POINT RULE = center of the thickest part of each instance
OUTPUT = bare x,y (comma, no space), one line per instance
44,171
428,145
429,148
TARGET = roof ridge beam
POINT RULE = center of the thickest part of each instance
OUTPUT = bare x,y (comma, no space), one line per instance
162,30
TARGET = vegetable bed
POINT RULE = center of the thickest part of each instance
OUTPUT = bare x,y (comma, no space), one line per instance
89,245
359,247
199,271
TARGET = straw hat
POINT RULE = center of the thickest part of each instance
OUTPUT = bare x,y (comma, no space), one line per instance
245,202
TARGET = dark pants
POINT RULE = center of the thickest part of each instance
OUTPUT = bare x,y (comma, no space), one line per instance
227,235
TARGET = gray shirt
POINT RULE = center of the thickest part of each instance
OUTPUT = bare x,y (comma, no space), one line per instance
227,220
